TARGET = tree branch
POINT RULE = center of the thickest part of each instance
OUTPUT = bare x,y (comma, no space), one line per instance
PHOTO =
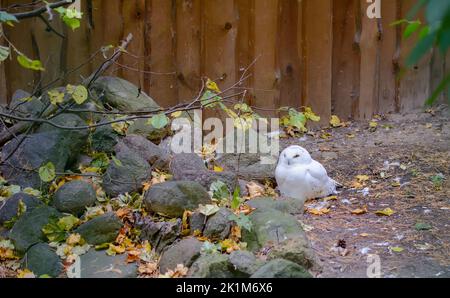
41,10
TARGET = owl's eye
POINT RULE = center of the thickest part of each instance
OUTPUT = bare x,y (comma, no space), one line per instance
297,155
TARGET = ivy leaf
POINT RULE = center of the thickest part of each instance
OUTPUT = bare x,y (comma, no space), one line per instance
47,172
208,209
159,121
80,94
242,221
4,53
28,63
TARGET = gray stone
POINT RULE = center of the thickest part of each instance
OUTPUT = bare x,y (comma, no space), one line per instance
97,264
101,229
218,225
197,222
74,196
286,205
145,149
32,107
245,263
212,266
296,249
60,148
280,268
185,252
189,166
41,259
159,234
122,95
104,138
9,207
143,128
127,176
27,231
174,197
65,119
270,227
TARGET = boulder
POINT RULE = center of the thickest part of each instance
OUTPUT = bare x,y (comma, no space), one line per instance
97,264
245,263
27,231
24,107
286,205
101,229
159,234
189,166
126,176
122,95
10,206
185,252
174,197
104,138
296,249
249,165
41,259
218,225
280,268
65,119
36,150
143,128
74,196
212,266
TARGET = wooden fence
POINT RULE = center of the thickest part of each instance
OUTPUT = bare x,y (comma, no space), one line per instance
326,54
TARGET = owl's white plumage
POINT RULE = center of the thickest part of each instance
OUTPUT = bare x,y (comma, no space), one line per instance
301,177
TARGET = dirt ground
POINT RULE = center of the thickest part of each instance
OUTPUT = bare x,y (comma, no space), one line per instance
406,161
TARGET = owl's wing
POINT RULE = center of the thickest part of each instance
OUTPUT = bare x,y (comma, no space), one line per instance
317,171
281,173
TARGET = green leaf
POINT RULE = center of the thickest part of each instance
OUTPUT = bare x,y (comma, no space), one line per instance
242,220
421,49
116,161
100,160
421,226
28,63
53,231
397,249
4,53
411,29
236,202
210,99
80,94
208,209
7,18
159,121
68,222
71,22
440,88
55,97
47,172
219,190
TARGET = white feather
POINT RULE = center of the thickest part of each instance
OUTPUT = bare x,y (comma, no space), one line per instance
301,177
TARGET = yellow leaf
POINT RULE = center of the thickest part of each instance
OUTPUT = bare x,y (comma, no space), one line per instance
55,96
331,198
311,115
176,114
335,121
315,211
385,212
364,235
373,124
396,249
25,273
362,178
211,85
73,239
218,169
359,211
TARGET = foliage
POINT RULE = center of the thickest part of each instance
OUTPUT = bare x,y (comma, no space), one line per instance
57,228
298,119
70,16
434,33
242,221
47,172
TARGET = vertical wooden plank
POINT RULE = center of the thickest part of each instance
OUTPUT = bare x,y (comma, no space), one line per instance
162,85
346,58
3,89
415,84
266,75
288,54
388,47
437,73
113,30
188,33
370,63
133,13
317,53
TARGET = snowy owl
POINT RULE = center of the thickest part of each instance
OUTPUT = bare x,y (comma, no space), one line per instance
301,177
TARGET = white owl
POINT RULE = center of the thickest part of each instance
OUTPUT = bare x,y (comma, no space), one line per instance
301,177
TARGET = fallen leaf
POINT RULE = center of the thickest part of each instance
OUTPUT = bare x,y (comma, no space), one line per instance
359,211
420,226
218,169
385,212
208,209
255,190
330,198
315,211
362,178
396,249
335,121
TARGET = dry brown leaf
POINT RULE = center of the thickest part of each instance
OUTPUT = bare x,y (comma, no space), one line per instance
255,190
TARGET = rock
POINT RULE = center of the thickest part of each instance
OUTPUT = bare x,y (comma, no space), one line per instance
297,250
10,206
143,128
60,148
185,252
97,264
42,259
159,234
33,106
122,95
74,196
270,227
174,197
218,225
104,138
212,266
69,119
280,268
127,176
250,166
245,263
101,229
189,166
197,222
27,231
145,149
286,205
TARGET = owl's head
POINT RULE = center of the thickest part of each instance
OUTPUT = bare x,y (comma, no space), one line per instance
293,155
